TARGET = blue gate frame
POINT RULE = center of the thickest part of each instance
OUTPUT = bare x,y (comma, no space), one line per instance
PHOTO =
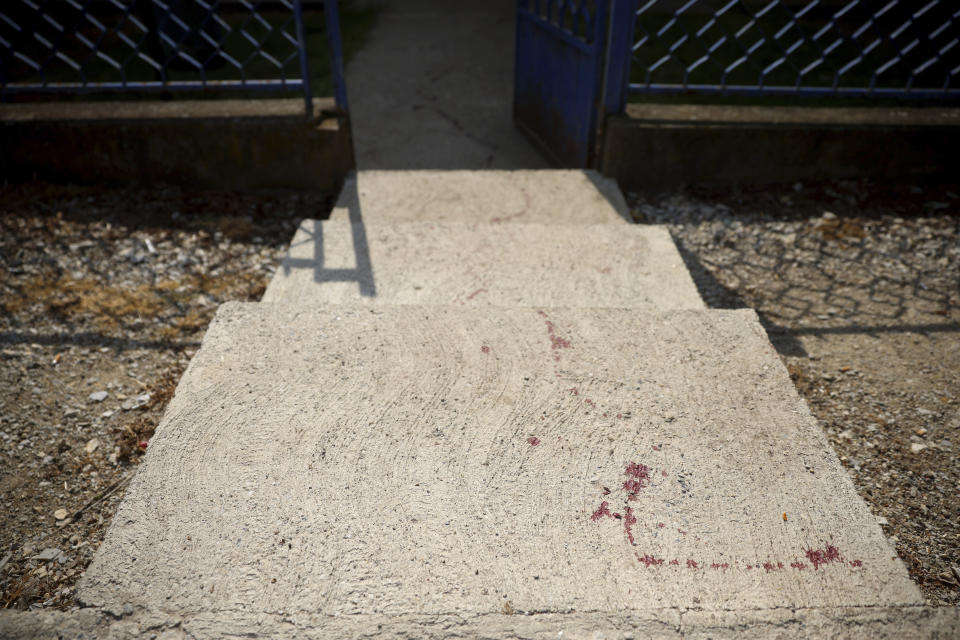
558,75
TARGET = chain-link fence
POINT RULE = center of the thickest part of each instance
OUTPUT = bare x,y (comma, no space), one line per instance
75,46
888,48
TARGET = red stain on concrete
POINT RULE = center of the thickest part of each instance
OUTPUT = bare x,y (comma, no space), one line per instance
648,560
591,403
628,523
602,270
476,293
663,473
719,565
681,532
574,391
485,349
675,561
655,448
818,557
769,566
856,563
638,477
799,566
533,440
602,512
660,525
692,564
556,342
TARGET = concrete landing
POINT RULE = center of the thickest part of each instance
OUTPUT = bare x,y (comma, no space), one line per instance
349,466
544,197
501,265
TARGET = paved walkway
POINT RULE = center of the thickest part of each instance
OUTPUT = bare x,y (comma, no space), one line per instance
433,89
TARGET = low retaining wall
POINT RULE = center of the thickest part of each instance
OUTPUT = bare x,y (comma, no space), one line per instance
663,146
223,144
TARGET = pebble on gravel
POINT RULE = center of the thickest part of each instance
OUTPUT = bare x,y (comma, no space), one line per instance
48,554
98,396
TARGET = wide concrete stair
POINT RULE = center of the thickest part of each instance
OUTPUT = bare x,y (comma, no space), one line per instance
442,421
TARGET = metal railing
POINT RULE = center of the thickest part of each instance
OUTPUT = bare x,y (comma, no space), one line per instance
87,46
881,48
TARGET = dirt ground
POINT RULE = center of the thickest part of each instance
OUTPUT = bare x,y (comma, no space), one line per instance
105,295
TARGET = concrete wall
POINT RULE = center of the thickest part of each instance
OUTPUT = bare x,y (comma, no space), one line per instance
663,146
230,144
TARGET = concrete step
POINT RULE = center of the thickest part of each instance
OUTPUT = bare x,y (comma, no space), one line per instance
599,265
528,196
340,467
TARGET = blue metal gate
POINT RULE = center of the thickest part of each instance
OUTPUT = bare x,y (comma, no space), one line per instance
558,75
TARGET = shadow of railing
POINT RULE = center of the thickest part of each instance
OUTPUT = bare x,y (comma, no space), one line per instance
833,276
362,273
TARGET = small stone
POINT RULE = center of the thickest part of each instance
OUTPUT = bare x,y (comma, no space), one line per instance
846,434
829,215
882,520
60,514
47,554
97,396
92,445
921,431
916,447
135,403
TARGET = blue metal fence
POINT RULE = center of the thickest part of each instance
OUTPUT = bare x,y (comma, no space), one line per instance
86,46
881,48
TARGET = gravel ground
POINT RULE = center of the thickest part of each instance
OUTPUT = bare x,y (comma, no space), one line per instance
858,285
105,295
109,291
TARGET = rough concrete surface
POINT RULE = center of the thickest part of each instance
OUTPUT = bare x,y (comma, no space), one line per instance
451,462
240,145
433,89
868,623
657,147
484,265
548,197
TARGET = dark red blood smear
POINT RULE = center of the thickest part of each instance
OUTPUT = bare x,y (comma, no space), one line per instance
638,477
663,473
485,349
749,567
590,402
533,440
660,525
692,564
798,565
475,293
628,523
602,512
823,556
856,563
574,391
769,567
674,561
556,342
648,560
681,532
655,448
619,416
